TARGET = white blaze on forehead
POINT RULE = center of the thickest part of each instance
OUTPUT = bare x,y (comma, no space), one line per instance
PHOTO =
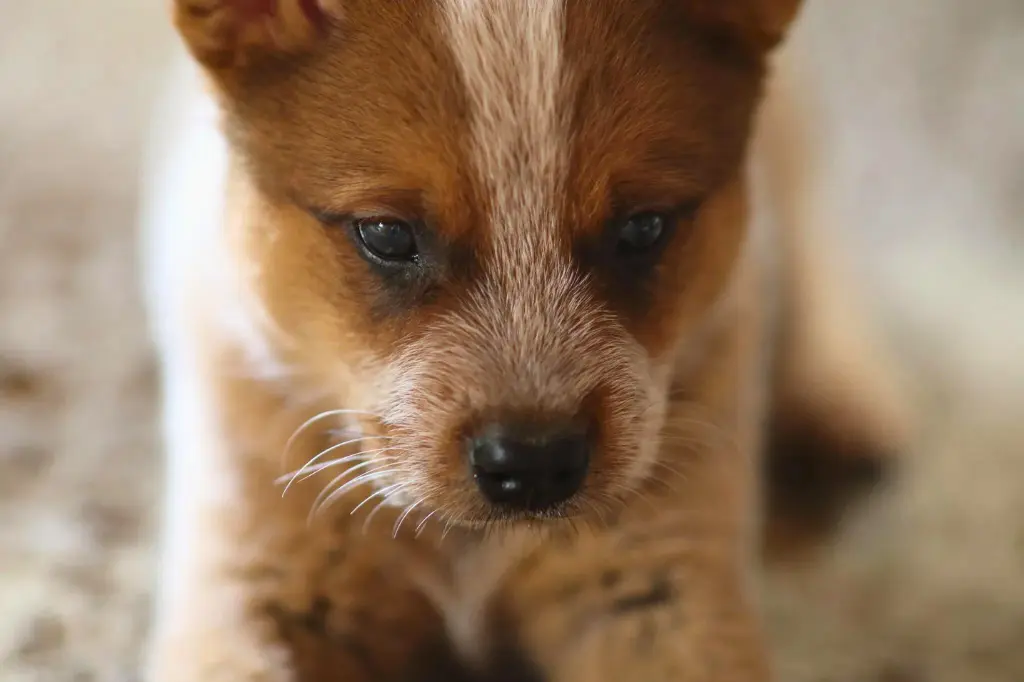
509,53
532,316
510,56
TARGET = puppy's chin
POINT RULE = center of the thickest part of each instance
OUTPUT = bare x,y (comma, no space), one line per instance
481,517
498,520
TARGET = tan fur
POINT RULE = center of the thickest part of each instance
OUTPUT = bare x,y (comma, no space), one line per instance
651,574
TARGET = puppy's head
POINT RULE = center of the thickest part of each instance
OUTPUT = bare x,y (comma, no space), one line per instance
492,224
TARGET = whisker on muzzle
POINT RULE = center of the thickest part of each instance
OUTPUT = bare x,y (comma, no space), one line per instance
384,494
308,471
387,490
404,515
327,414
327,497
311,467
422,525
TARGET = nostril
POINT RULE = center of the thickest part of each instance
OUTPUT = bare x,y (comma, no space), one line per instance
506,483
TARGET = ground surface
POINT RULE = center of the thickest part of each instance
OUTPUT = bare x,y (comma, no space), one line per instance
929,162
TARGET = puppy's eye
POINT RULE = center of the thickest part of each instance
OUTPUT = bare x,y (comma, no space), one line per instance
642,232
388,239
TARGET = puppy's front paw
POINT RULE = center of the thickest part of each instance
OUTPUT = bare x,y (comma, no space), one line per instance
224,34
634,606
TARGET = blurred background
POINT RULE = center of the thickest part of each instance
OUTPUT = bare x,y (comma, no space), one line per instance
926,111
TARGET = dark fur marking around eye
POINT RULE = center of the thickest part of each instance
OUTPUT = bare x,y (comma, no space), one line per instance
401,293
659,592
629,280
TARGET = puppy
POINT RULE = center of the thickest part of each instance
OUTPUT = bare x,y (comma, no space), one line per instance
470,340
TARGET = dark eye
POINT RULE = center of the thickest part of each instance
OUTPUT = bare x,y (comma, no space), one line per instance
641,232
386,238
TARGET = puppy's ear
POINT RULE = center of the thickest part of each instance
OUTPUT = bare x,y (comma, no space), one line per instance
230,34
761,24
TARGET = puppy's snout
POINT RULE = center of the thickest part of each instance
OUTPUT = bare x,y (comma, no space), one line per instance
529,468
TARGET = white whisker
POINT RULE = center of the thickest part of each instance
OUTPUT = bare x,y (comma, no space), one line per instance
319,417
316,457
383,501
423,522
344,431
403,516
319,467
676,471
383,491
374,455
328,496
307,471
447,527
363,465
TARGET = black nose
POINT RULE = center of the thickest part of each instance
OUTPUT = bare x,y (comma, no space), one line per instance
529,470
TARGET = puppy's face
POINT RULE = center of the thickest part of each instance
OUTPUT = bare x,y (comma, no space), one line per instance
493,224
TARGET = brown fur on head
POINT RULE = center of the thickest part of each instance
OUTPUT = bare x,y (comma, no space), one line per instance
514,138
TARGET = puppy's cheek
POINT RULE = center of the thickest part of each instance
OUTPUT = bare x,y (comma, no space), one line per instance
422,411
640,425
313,297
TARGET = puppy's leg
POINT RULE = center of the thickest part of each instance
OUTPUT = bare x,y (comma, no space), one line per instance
646,602
251,589
838,414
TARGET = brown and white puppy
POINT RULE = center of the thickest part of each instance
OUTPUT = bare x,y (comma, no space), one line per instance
469,340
